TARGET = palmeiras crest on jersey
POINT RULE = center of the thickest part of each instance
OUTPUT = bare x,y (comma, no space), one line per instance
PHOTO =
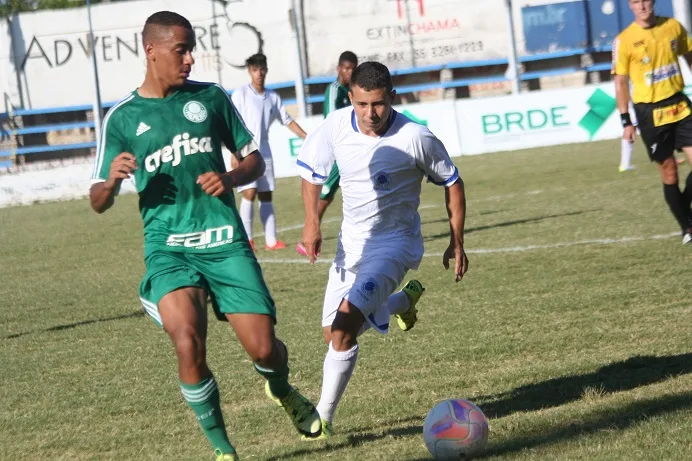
382,180
195,112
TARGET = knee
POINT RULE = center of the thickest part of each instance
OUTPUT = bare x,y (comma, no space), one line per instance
669,172
261,351
670,177
189,345
343,341
346,327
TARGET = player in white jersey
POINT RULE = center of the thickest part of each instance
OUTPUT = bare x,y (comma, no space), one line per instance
260,107
382,157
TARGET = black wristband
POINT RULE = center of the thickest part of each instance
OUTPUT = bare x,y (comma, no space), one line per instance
625,119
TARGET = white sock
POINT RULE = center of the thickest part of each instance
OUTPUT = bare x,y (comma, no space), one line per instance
266,211
626,154
398,303
338,368
247,212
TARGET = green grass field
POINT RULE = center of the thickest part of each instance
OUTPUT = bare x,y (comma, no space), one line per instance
571,330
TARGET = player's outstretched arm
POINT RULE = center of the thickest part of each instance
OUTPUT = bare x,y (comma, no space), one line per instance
102,194
249,169
297,129
455,199
312,236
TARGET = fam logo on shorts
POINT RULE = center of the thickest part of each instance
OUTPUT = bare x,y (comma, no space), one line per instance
382,180
195,112
369,287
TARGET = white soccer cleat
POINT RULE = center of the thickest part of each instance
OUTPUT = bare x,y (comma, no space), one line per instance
686,238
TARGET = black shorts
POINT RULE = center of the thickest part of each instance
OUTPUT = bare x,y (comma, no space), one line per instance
662,141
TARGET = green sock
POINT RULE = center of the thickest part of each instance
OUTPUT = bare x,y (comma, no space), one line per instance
277,379
204,400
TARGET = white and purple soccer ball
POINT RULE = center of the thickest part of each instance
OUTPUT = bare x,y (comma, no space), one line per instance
455,430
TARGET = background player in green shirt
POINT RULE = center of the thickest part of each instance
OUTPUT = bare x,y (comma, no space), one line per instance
168,134
335,98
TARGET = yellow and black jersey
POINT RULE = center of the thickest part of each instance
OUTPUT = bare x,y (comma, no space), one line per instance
649,56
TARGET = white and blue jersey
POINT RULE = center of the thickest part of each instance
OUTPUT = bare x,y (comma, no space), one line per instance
380,184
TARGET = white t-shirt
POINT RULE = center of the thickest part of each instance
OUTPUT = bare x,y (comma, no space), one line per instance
380,184
258,112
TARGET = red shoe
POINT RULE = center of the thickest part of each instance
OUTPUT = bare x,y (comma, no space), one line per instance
279,245
252,244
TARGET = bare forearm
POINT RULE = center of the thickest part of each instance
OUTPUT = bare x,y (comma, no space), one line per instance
311,198
294,127
622,93
455,199
688,59
102,196
248,169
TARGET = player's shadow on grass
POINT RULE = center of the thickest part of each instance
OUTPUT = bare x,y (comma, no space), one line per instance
68,326
352,441
515,222
621,376
602,418
616,377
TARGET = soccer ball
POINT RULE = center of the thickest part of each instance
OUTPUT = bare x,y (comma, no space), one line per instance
455,430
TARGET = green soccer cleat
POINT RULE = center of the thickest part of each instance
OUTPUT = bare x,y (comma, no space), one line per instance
303,414
327,431
414,290
225,456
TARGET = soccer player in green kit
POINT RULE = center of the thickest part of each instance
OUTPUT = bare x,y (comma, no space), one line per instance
168,134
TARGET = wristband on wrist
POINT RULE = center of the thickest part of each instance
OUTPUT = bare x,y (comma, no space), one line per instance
625,119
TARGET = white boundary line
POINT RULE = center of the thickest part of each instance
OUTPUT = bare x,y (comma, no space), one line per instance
517,249
327,221
296,226
422,207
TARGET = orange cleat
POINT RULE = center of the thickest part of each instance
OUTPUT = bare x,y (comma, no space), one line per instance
279,245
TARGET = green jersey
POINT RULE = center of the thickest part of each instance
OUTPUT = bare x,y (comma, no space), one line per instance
335,98
175,139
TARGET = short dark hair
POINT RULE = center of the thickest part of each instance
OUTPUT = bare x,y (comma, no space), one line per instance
257,59
165,19
372,75
348,56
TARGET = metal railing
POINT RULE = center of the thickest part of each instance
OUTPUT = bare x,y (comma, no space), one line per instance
9,157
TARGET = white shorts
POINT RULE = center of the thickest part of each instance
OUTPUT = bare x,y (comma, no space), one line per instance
367,289
264,183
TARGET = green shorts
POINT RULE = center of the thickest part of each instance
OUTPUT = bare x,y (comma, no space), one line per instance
330,187
234,282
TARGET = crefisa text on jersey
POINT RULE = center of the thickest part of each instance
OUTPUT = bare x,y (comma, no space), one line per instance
181,144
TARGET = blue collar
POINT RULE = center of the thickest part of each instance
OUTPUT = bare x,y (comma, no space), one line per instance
261,95
354,123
